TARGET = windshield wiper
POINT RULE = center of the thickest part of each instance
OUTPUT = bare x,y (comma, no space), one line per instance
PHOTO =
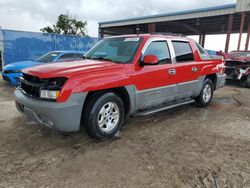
104,58
84,57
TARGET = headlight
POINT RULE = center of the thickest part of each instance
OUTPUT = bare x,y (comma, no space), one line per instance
51,88
53,83
11,71
49,94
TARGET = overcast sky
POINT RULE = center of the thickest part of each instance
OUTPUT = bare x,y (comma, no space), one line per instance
32,15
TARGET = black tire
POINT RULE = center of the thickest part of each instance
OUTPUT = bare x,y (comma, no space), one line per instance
92,113
248,82
202,101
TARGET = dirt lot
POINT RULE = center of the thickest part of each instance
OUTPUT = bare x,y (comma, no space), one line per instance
185,147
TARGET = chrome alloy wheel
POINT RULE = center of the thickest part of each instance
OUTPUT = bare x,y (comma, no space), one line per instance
108,117
207,93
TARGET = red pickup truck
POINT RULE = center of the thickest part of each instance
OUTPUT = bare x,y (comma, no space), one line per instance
119,76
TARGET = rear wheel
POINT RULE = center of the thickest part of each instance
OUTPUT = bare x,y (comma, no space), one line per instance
103,115
206,94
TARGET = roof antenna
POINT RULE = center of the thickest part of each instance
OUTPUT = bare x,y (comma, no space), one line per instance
137,29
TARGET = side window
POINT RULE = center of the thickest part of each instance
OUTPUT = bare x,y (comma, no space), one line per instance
66,57
183,51
160,49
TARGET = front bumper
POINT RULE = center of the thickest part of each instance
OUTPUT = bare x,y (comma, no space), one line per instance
65,117
13,78
221,80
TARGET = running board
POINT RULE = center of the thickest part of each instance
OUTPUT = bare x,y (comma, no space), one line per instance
155,110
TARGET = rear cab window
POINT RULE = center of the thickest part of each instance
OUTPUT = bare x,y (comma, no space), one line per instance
183,51
202,52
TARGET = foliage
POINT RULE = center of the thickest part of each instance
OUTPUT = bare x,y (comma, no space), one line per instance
67,25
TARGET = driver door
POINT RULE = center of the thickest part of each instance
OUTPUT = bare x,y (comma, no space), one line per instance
156,84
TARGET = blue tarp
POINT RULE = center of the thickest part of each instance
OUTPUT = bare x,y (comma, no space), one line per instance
21,45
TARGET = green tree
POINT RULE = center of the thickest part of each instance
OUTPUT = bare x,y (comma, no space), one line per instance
67,25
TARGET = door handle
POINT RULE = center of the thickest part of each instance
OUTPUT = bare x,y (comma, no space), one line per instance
171,71
194,69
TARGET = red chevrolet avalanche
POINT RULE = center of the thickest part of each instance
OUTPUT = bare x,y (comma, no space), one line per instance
119,76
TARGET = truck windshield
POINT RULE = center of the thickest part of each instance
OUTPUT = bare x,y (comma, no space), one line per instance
49,57
118,50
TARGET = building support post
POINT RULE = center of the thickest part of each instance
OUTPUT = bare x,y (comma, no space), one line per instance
229,30
241,29
203,40
200,38
152,27
248,37
101,33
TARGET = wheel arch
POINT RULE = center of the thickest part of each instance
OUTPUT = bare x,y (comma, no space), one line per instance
120,91
213,78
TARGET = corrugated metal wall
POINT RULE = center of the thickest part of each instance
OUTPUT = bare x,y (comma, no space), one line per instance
20,45
243,5
161,18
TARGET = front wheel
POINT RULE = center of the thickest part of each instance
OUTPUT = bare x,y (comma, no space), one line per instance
206,94
104,115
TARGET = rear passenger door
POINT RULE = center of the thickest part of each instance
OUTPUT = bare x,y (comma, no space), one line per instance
187,70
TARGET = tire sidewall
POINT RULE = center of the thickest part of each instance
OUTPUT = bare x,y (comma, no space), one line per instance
201,100
94,112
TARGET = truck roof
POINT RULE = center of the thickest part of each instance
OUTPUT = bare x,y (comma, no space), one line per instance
150,35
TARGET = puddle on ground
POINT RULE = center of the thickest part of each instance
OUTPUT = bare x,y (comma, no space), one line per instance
225,103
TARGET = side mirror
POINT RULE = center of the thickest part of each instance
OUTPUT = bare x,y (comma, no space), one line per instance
150,60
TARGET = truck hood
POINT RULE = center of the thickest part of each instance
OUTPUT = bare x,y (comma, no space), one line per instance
70,69
236,58
20,65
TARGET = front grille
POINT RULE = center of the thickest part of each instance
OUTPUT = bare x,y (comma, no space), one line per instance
32,79
30,85
232,63
230,71
6,71
30,90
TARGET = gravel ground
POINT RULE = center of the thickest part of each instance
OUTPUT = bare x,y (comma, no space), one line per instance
184,147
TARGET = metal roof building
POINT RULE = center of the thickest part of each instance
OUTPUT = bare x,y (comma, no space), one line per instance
225,19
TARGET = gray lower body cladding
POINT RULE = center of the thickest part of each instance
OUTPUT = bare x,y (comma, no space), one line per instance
65,117
145,99
221,80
